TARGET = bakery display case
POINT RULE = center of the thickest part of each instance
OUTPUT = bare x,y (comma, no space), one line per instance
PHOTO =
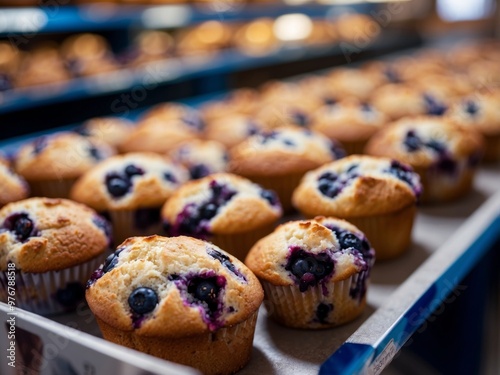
279,94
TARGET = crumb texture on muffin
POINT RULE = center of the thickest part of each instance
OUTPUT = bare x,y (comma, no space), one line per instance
172,287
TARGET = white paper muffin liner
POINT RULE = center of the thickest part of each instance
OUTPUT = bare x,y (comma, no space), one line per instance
52,188
37,292
291,307
123,223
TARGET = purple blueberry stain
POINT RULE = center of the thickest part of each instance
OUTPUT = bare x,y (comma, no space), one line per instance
300,118
110,263
194,219
322,312
271,197
104,225
350,240
392,76
141,301
331,184
226,262
39,145
309,269
169,176
21,226
405,174
193,120
433,106
337,150
203,291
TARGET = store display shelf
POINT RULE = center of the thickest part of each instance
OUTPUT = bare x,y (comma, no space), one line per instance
178,69
53,18
448,241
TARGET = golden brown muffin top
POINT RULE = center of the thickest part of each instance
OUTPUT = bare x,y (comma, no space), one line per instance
282,151
128,182
42,234
221,203
308,252
172,287
12,186
111,130
60,156
357,186
424,141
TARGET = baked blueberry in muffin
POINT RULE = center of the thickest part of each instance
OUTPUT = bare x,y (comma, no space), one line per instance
223,208
180,299
378,195
130,189
443,154
53,244
314,273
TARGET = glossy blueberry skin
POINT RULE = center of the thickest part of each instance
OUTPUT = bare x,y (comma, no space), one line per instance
132,170
205,291
117,185
307,268
142,300
21,225
198,171
405,174
270,196
226,262
110,263
412,142
349,240
331,184
193,220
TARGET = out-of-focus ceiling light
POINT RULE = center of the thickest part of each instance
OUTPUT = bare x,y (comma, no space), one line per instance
166,16
459,10
22,20
291,27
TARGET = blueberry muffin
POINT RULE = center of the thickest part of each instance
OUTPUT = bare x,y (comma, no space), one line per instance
353,83
201,158
162,128
226,209
53,245
51,164
180,299
242,102
443,154
378,195
278,159
111,130
314,273
350,122
232,129
401,100
481,111
13,186
131,189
